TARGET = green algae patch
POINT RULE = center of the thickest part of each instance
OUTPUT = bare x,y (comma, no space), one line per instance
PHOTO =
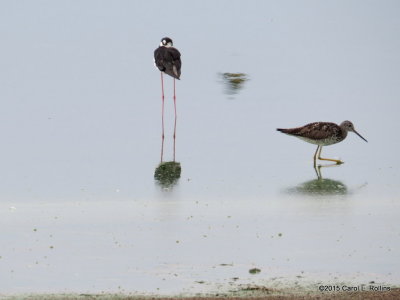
168,173
254,271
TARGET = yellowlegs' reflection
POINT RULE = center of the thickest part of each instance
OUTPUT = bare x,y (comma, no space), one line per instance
320,186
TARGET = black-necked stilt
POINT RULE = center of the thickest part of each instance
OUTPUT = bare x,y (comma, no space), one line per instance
168,60
322,134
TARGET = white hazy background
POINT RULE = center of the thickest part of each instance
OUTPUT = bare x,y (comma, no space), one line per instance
80,123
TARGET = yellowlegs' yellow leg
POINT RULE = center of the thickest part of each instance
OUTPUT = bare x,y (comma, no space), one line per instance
315,156
328,159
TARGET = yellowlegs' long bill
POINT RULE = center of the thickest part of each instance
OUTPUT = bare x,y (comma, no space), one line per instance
322,134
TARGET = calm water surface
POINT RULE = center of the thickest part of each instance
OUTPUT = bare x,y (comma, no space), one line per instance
80,210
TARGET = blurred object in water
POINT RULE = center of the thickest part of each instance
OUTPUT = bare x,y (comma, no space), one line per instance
234,82
168,173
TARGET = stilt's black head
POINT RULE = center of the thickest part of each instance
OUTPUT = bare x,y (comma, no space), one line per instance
166,42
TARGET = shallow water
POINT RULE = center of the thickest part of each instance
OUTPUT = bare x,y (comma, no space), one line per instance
80,209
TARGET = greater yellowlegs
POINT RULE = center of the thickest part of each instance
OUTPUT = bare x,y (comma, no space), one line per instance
322,134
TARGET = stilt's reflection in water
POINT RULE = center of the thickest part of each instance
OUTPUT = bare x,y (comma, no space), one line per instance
167,173
320,186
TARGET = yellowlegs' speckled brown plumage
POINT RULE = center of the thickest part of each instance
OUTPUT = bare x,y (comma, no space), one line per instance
322,134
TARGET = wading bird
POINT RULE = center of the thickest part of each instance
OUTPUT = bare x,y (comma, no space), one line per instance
168,60
322,134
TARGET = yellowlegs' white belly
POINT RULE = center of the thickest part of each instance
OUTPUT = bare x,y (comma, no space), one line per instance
321,142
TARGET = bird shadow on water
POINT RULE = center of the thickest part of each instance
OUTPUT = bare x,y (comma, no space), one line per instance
320,186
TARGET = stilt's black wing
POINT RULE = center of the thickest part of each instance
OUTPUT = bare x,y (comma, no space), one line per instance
168,60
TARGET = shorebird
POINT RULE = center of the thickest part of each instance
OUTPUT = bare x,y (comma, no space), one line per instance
168,60
322,134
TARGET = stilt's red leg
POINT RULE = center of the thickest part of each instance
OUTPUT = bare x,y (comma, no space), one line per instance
162,116
174,98
162,149
174,136
175,118
162,107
